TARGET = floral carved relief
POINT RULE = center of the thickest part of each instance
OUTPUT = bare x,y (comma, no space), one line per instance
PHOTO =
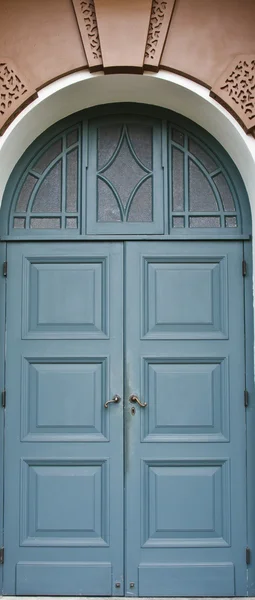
11,88
157,18
89,15
236,88
87,21
14,92
161,13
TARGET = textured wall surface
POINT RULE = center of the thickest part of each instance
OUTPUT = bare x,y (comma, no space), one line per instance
209,41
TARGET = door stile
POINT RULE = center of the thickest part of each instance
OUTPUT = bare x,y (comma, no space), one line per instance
249,413
2,380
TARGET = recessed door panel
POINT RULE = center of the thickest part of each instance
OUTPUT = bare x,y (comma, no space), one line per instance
65,297
184,297
188,399
62,399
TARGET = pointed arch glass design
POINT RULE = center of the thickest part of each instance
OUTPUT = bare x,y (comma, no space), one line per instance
124,173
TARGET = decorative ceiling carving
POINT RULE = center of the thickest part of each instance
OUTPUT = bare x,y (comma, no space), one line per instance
15,92
161,13
235,88
87,22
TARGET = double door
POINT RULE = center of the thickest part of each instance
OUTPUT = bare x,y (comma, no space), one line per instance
124,429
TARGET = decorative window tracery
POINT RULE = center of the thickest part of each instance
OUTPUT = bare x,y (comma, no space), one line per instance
202,193
128,175
48,195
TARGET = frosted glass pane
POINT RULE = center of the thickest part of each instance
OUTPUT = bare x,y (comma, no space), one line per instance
107,142
141,139
141,207
48,197
124,173
72,138
19,223
71,222
51,153
225,193
231,221
178,185
201,196
204,222
44,223
178,222
178,137
108,210
25,193
202,156
71,180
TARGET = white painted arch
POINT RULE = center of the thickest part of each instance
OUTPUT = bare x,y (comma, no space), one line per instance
82,90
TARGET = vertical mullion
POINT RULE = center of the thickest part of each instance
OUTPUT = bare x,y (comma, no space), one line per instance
83,179
166,187
64,183
186,181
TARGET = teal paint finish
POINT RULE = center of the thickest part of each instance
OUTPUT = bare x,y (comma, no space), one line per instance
2,410
250,413
63,456
185,451
185,522
181,459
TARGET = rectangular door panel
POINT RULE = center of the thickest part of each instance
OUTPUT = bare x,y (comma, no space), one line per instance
188,399
185,442
184,297
80,289
48,415
64,449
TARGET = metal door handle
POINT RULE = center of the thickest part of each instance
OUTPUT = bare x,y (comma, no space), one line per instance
135,398
115,399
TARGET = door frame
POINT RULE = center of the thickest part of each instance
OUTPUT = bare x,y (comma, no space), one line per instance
248,385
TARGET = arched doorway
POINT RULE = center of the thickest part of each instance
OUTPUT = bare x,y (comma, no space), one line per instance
125,460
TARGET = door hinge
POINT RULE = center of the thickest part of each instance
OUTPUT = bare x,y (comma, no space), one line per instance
1,556
4,398
246,398
248,555
5,269
244,268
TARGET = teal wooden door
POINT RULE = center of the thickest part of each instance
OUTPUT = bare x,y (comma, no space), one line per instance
185,461
180,455
63,457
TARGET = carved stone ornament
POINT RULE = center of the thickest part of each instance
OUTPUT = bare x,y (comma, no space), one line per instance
235,88
15,92
161,14
87,21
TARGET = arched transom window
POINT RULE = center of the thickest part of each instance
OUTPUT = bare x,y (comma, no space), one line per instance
126,174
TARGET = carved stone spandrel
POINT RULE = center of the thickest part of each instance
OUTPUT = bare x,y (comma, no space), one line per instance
235,88
87,22
15,92
161,14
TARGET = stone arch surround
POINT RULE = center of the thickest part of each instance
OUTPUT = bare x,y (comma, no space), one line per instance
168,90
82,90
